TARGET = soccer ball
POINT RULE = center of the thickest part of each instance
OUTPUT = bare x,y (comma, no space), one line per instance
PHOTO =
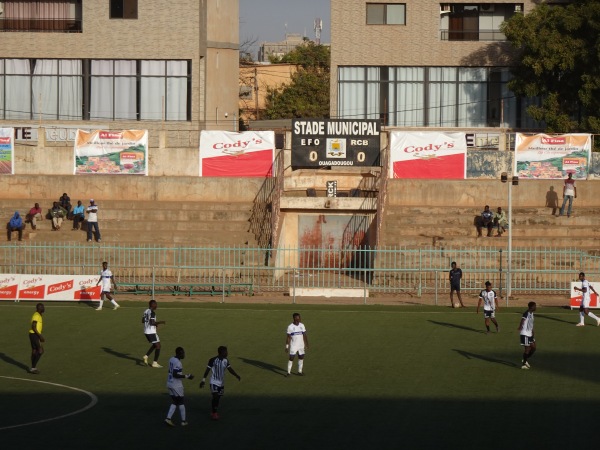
457,305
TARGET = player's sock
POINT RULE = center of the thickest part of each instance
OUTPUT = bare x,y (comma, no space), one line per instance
593,316
300,365
487,327
215,403
156,354
182,412
101,303
525,356
290,366
35,359
581,317
150,350
114,303
171,411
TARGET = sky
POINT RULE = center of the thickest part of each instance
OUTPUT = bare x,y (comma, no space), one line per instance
270,20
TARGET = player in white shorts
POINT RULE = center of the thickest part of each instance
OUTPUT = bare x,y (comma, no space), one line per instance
585,301
296,343
108,281
150,331
490,305
527,334
175,387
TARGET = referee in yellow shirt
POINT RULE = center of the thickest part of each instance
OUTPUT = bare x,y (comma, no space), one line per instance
36,338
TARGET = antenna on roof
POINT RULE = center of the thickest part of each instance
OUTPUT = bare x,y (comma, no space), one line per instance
318,27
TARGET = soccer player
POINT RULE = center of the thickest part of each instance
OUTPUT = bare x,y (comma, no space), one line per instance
490,305
585,301
175,387
455,276
218,364
36,338
296,342
106,278
150,327
527,335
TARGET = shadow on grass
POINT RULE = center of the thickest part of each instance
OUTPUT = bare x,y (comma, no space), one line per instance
263,365
542,316
7,359
470,355
127,356
454,325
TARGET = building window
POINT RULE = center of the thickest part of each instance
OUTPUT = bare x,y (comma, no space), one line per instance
386,14
56,16
475,22
123,9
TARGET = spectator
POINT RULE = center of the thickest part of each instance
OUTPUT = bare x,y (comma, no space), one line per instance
78,216
92,221
500,221
34,214
15,224
486,220
65,202
57,213
569,193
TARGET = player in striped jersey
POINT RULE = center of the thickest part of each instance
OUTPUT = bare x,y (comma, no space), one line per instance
175,386
585,301
296,342
150,331
527,334
218,364
490,305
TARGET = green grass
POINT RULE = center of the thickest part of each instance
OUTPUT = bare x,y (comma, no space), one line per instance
376,377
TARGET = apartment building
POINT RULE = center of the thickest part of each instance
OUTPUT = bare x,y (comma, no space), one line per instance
117,63
425,63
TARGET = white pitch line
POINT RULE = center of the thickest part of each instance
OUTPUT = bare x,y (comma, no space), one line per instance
92,403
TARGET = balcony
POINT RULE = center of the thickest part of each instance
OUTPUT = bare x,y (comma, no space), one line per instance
40,25
472,35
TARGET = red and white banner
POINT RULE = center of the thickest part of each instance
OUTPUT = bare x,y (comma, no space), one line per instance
49,287
577,295
230,154
428,154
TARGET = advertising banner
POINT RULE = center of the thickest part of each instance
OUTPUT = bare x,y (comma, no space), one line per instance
232,154
111,152
576,296
431,155
7,149
546,157
321,143
49,287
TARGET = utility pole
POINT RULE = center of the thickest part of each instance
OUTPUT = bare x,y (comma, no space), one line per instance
256,91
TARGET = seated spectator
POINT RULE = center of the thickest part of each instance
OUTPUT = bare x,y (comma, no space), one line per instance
486,220
15,224
57,213
500,221
65,202
78,216
34,214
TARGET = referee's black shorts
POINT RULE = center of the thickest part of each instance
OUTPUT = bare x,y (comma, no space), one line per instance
34,339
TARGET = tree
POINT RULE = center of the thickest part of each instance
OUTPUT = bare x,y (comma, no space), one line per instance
559,62
308,93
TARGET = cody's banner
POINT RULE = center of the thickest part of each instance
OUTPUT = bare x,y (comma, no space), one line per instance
6,150
231,154
431,155
552,157
111,152
49,287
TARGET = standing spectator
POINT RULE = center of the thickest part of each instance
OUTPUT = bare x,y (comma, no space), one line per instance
107,279
486,221
584,308
36,338
57,213
500,221
34,214
150,328
218,364
15,224
92,221
527,334
455,276
295,343
65,202
175,387
569,193
78,216
490,305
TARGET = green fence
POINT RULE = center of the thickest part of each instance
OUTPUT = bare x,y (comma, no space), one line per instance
384,271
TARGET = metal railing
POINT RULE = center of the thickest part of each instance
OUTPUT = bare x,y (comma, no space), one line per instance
472,35
393,271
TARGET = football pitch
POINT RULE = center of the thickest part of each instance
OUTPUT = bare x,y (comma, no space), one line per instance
377,377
